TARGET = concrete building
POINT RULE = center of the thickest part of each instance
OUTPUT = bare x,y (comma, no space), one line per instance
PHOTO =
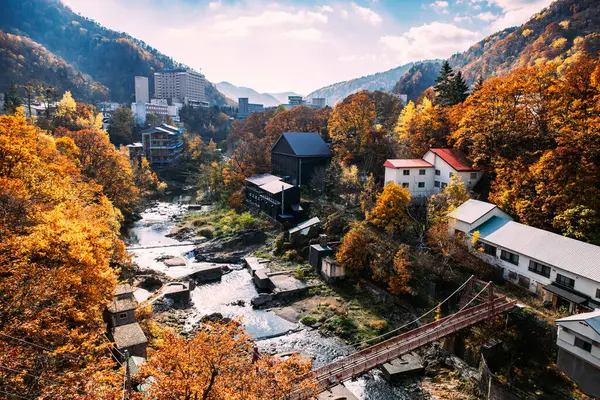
142,93
135,151
186,86
245,108
332,270
269,194
296,155
162,145
432,173
158,107
318,102
578,342
564,271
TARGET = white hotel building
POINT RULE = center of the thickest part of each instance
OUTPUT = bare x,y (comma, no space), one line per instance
563,270
432,173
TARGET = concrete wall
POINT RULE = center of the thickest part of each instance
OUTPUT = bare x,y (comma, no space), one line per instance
445,170
397,175
566,340
580,372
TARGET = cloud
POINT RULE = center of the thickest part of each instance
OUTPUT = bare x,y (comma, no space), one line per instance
516,12
486,16
310,34
367,14
459,18
241,26
434,40
214,5
440,6
328,9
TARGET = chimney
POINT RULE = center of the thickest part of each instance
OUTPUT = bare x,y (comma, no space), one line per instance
323,240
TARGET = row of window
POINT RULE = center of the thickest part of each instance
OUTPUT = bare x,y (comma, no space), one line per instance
406,172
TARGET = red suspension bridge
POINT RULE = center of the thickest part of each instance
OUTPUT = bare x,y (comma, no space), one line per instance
475,307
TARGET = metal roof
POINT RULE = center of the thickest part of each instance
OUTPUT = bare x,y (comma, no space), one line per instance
456,159
276,186
128,335
407,163
306,144
304,225
471,210
590,318
546,247
260,180
123,288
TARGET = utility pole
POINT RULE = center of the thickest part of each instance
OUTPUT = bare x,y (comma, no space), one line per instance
127,391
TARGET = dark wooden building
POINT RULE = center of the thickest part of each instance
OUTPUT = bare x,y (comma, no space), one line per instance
296,155
271,195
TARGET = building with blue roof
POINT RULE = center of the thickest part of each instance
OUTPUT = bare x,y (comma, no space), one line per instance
565,271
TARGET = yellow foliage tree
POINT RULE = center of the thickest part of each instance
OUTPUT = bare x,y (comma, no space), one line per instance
389,212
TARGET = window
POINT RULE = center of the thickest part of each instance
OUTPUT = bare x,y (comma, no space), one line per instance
509,257
489,249
436,184
438,172
583,344
421,184
598,293
123,315
473,175
450,174
564,281
539,269
405,185
406,172
422,172
444,184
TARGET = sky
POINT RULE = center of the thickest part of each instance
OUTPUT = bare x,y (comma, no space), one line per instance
302,45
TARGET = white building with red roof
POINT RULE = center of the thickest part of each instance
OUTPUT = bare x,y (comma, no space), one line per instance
430,174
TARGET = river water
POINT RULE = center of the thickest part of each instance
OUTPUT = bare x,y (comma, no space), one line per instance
273,333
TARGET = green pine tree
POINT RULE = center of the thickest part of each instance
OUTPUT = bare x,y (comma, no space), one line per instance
478,84
460,90
11,99
443,85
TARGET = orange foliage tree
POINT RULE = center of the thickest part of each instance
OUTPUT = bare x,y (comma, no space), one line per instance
389,212
219,362
60,242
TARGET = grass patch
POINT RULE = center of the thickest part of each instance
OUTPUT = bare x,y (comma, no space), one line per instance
219,222
308,320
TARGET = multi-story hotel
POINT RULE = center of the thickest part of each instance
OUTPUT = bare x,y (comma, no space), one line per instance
186,86
162,145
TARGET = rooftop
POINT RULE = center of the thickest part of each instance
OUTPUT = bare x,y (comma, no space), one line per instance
546,247
456,159
304,225
163,128
260,180
305,144
122,305
407,163
276,186
128,335
123,288
471,210
591,318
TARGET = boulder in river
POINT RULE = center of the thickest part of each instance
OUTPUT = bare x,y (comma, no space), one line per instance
261,299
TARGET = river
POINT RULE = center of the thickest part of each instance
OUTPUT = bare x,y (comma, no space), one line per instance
272,333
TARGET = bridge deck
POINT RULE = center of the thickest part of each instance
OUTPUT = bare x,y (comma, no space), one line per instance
365,360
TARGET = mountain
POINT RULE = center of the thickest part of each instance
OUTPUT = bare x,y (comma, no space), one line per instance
89,49
235,92
384,81
418,78
283,96
555,34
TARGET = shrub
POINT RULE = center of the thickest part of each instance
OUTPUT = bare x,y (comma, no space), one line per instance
290,255
308,320
207,232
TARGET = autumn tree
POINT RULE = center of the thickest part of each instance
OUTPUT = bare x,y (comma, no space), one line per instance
121,126
401,275
298,119
357,252
59,252
389,212
220,361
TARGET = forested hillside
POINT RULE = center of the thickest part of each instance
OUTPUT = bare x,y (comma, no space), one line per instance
555,34
109,57
417,79
379,81
24,60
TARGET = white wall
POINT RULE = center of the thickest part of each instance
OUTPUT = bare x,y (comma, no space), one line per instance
566,340
454,224
445,170
397,175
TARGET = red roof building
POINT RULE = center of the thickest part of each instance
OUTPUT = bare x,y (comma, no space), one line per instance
456,159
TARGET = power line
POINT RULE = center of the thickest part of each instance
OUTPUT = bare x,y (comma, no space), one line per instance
32,375
40,347
16,395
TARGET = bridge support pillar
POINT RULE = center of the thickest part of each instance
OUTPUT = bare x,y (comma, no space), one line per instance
449,343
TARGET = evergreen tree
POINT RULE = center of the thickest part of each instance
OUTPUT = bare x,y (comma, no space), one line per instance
460,90
11,99
478,84
443,85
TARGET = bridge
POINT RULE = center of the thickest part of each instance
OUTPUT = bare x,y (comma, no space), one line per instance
475,308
